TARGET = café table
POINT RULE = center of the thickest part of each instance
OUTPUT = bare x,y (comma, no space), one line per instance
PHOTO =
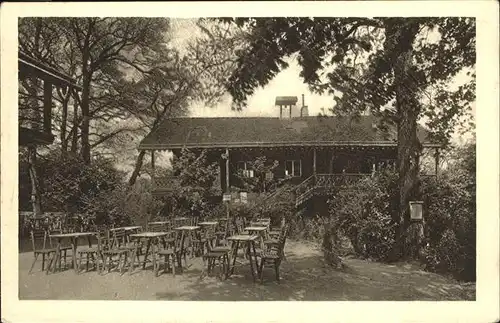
152,240
249,241
127,228
208,223
259,231
159,222
74,243
186,230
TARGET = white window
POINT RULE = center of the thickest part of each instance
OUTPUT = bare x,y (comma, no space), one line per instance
244,167
293,168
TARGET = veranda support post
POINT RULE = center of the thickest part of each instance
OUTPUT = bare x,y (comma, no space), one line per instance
153,169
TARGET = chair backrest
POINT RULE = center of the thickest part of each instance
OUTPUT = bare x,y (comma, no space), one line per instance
240,225
119,237
209,231
38,239
156,227
102,236
178,239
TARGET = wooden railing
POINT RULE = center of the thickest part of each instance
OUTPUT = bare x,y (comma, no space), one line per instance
305,190
324,183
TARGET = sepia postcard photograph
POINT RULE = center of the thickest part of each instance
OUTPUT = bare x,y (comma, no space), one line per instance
250,161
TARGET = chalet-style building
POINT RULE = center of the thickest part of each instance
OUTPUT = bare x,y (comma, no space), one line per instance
35,128
316,152
35,121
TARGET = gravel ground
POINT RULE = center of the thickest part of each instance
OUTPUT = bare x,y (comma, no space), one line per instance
303,277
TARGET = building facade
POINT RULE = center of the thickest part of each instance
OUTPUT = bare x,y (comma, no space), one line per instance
310,151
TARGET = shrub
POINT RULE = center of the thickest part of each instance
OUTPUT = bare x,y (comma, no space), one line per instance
363,212
124,205
67,183
196,176
450,217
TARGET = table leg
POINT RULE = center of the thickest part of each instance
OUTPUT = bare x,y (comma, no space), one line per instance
73,245
132,259
250,256
183,237
255,256
234,246
56,257
148,246
155,241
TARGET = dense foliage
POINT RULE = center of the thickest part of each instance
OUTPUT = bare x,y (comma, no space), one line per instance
195,176
362,212
450,223
70,185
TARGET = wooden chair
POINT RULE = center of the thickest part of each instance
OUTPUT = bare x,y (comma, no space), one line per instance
38,242
274,254
274,238
116,250
274,231
205,240
171,256
63,248
95,253
240,226
219,254
222,231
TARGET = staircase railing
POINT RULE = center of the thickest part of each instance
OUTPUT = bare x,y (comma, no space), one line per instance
305,190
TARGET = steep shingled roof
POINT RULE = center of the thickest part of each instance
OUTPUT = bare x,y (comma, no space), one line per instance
262,132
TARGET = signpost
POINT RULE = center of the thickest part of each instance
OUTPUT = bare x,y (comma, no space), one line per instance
416,226
416,210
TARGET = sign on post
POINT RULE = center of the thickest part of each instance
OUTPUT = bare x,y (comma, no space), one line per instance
416,210
226,197
243,197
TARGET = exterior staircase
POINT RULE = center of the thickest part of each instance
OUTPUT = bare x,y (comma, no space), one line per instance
322,184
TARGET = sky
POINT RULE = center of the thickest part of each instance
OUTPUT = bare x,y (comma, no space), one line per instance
261,104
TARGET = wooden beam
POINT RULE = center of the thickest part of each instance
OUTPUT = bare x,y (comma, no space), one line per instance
227,170
153,168
436,162
47,107
314,160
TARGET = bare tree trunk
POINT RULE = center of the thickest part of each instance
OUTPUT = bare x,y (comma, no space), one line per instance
74,135
138,165
35,186
85,127
87,69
